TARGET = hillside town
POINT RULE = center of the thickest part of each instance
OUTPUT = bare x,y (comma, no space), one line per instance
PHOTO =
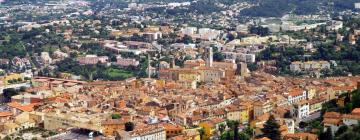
188,70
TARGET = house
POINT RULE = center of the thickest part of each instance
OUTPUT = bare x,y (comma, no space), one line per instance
172,130
335,120
332,120
211,126
353,118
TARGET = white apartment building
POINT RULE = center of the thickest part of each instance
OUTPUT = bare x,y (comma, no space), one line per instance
243,57
301,109
309,65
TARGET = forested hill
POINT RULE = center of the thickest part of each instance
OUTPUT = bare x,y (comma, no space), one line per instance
263,8
277,8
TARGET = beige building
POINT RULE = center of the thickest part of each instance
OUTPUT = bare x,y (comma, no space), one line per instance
211,75
233,113
54,121
262,107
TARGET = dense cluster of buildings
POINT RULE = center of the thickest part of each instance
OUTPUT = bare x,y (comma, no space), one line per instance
197,76
168,109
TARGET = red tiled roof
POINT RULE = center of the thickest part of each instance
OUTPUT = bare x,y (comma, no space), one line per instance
5,114
27,108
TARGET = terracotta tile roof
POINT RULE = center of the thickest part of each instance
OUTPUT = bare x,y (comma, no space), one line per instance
217,120
304,136
27,108
356,111
5,114
332,121
295,92
169,126
263,138
334,115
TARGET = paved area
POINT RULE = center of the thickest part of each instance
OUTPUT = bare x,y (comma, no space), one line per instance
77,135
72,136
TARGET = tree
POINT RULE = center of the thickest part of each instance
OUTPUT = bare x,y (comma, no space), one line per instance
327,135
271,129
218,56
201,133
22,89
221,128
302,124
115,116
7,138
341,130
129,126
228,136
8,93
243,136
187,39
349,135
249,131
236,130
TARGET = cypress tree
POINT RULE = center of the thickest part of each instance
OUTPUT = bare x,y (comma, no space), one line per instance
271,129
236,130
327,135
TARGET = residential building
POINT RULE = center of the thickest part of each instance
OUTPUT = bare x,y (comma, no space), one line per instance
233,113
309,65
316,104
92,60
295,95
262,107
172,130
125,62
211,127
300,110
334,25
